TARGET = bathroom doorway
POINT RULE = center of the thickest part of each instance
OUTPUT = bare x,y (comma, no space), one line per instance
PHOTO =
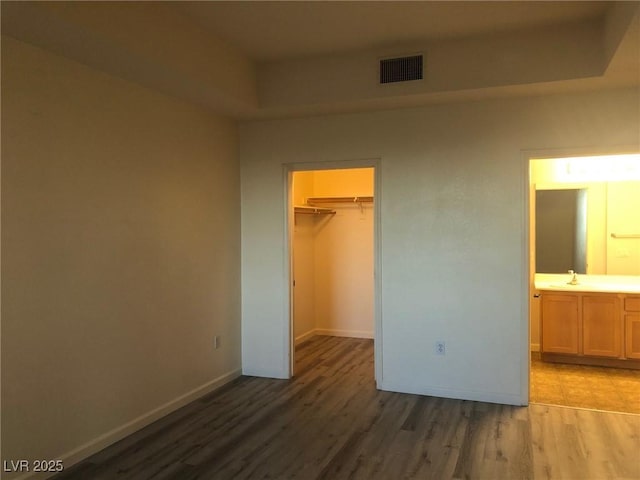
333,253
608,185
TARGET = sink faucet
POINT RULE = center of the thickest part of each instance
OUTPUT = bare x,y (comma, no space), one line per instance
574,278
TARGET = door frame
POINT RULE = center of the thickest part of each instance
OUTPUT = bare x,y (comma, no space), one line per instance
288,170
528,259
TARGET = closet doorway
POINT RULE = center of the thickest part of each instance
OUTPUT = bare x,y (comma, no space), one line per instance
332,253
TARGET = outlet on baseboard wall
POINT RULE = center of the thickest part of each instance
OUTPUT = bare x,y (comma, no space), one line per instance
440,348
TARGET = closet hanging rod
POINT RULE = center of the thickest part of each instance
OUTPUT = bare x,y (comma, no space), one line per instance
625,235
306,210
315,200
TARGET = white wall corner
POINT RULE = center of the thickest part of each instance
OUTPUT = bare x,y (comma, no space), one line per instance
305,336
95,445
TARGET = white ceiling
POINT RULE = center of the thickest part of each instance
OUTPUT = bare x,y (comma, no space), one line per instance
271,31
268,59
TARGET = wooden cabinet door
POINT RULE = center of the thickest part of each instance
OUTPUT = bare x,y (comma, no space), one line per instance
632,335
559,324
632,326
601,326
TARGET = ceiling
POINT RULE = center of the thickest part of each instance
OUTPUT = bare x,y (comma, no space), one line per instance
271,59
272,31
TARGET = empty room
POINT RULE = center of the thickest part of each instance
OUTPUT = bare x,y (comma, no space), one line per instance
320,240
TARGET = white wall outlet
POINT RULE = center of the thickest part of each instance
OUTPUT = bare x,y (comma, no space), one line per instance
440,347
216,342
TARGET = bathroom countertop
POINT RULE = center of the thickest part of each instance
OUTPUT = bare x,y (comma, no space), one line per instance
589,283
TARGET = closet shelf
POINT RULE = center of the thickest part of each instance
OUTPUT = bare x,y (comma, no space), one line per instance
320,200
625,235
307,210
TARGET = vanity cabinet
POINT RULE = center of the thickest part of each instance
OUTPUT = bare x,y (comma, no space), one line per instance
601,326
632,326
560,323
591,328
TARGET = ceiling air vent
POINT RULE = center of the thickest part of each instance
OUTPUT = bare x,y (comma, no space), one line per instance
401,69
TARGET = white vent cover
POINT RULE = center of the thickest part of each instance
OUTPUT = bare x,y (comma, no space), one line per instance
401,69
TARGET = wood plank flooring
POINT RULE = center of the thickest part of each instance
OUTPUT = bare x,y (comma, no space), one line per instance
330,422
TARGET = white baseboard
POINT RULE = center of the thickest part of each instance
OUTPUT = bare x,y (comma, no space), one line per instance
304,337
477,396
93,446
259,371
343,333
332,333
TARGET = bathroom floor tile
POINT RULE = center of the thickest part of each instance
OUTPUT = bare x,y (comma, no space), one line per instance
583,386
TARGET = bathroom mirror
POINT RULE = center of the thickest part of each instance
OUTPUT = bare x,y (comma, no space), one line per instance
592,228
599,198
561,230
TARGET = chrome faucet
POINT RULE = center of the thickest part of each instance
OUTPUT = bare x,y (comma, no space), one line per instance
574,278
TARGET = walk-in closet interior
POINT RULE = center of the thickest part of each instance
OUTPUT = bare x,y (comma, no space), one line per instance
332,253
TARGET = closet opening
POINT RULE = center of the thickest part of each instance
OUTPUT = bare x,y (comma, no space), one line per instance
332,254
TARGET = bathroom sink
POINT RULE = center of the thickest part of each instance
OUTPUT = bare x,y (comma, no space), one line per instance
611,285
591,287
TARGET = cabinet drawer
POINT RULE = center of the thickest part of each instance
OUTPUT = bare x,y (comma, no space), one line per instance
632,304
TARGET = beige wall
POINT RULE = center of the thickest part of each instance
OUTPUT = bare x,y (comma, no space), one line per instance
623,218
453,230
344,256
351,182
120,255
304,232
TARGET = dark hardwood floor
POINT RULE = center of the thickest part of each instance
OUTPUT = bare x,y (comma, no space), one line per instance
330,422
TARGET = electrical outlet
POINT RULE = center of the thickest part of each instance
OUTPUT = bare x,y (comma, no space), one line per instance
216,342
440,348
